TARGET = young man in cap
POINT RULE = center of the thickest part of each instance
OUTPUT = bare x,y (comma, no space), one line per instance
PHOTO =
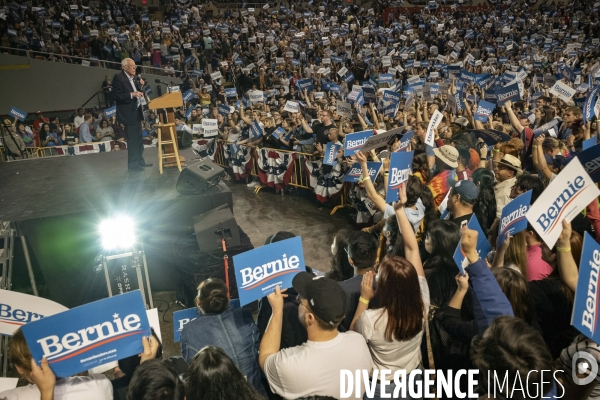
461,200
506,171
312,369
446,159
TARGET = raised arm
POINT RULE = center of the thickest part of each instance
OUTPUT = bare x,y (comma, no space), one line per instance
514,121
411,246
371,192
569,273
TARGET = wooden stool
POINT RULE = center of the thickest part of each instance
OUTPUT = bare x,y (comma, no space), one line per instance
173,145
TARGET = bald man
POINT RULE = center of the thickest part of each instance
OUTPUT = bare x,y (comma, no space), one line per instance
126,92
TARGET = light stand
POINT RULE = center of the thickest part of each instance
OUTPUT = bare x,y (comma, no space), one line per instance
136,259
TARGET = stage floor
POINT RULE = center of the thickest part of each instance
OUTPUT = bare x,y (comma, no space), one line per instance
52,186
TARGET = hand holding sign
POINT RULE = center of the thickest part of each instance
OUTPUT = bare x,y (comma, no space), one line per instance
276,299
43,377
150,345
468,243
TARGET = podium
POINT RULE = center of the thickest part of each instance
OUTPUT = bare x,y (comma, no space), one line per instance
167,103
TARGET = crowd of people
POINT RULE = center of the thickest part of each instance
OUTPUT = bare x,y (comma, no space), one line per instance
397,303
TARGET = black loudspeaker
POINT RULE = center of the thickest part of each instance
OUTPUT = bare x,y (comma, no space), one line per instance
197,178
184,138
210,228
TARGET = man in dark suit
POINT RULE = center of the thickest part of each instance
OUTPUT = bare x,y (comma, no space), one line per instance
126,92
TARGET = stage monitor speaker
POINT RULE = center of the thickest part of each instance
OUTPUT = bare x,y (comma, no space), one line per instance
210,227
196,178
184,138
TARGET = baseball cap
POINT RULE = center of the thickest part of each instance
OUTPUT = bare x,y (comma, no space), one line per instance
461,121
448,154
326,297
466,189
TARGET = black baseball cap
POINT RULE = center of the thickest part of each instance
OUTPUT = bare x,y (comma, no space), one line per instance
326,297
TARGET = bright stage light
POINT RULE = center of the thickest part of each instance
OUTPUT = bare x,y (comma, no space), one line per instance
117,232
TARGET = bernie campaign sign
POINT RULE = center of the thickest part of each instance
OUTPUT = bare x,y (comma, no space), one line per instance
435,121
589,143
484,111
506,93
354,142
255,130
513,219
400,169
259,271
110,112
585,305
483,246
230,92
380,140
588,106
187,96
391,96
18,309
570,192
355,172
305,84
405,141
590,159
18,114
330,157
491,136
182,317
90,335
224,109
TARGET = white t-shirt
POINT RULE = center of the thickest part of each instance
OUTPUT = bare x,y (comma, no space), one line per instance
314,368
93,387
78,121
405,355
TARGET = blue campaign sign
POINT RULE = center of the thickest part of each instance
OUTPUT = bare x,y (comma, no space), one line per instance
585,305
391,110
513,218
590,159
510,92
18,114
187,96
588,106
259,271
355,172
349,77
305,84
110,112
386,78
354,141
484,111
255,130
400,169
330,156
224,109
391,96
405,141
369,95
90,335
491,136
230,92
483,246
591,142
180,318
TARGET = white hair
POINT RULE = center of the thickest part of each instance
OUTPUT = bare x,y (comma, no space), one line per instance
125,61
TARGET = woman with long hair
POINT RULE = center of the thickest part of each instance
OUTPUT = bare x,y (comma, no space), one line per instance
394,330
515,287
485,205
214,376
440,242
340,267
221,324
543,115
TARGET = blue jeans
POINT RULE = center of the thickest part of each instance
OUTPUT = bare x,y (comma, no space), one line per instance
389,389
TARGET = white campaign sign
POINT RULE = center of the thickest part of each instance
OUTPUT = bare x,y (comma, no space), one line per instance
256,96
433,124
216,75
379,140
563,91
18,309
343,109
210,127
291,106
570,192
